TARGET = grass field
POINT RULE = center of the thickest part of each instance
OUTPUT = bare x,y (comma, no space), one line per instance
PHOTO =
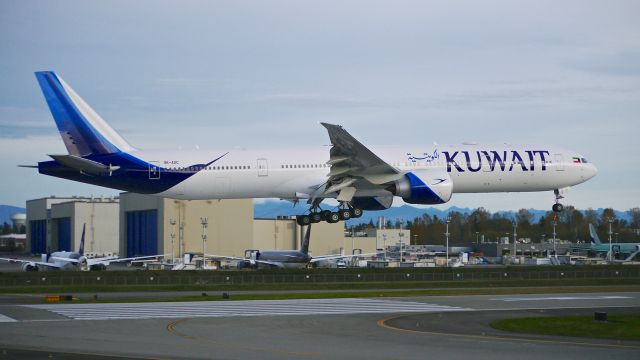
623,327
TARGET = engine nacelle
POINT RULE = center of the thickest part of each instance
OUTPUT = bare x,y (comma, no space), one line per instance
425,187
29,267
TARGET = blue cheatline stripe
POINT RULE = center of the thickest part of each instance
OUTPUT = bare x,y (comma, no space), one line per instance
421,193
70,120
132,176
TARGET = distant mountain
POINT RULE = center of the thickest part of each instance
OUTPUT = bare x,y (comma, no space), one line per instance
274,208
7,210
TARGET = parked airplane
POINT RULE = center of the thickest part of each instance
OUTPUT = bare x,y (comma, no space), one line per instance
72,260
358,177
621,251
285,258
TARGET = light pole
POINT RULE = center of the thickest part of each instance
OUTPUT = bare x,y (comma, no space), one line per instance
415,239
384,245
555,254
173,239
610,233
447,235
352,242
515,240
204,221
401,236
477,233
181,239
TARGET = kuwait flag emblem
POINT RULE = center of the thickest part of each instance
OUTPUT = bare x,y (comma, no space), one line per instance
576,160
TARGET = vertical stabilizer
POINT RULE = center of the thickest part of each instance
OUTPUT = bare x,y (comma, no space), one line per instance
83,131
593,235
81,250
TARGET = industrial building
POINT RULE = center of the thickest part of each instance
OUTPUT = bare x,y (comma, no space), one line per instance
56,224
137,225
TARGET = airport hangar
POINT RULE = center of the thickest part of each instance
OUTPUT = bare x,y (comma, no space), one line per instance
135,225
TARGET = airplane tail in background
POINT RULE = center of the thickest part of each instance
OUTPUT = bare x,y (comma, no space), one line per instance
83,131
304,247
593,235
81,250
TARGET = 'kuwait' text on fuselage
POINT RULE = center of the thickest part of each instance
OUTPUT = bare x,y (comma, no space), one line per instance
494,158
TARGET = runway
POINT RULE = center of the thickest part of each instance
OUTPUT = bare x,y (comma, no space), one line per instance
447,327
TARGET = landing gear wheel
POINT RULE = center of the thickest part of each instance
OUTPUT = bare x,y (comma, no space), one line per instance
324,214
356,212
333,217
557,207
316,217
345,214
303,220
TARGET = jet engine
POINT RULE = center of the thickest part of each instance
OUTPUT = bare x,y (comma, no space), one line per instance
29,267
425,187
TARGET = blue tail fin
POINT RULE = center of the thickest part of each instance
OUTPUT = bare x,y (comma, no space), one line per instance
593,235
81,250
83,131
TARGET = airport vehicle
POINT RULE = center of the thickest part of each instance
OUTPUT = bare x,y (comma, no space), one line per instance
358,177
285,258
72,260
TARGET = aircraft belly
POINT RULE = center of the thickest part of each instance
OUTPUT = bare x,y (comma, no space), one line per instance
244,185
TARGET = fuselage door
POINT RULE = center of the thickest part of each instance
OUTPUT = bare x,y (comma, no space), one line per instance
263,168
559,162
154,170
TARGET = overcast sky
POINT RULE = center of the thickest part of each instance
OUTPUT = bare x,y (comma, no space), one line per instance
244,73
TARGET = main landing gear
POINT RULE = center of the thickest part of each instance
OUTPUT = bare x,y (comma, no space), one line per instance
557,207
345,212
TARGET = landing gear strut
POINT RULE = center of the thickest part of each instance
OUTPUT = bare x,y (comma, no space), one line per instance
557,207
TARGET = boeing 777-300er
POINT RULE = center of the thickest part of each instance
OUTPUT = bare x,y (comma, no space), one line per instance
72,260
358,177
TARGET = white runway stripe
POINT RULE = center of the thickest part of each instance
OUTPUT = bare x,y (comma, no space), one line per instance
237,308
4,318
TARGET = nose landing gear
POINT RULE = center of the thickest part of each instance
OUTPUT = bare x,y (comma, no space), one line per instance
557,207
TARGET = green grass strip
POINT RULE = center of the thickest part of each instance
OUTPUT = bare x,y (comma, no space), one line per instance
620,327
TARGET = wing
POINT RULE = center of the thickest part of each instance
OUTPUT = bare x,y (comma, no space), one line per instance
110,259
51,265
350,162
332,257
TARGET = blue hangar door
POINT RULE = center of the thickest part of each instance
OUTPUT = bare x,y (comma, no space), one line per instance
64,234
142,233
38,236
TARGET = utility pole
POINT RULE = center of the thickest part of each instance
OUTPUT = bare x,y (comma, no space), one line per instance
384,245
515,240
555,254
610,233
477,233
204,221
447,235
401,236
173,239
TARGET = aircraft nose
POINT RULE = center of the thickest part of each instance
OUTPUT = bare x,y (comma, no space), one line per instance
591,171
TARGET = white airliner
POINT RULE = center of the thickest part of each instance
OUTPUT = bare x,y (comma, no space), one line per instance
358,177
286,258
72,260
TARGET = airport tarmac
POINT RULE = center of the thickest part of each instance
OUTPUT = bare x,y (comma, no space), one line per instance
399,328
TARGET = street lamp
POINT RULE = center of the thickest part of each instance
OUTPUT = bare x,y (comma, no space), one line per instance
204,222
173,239
447,235
610,249
515,240
477,233
401,236
415,239
384,245
555,254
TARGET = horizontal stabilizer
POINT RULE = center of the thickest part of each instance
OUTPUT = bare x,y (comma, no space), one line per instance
84,165
29,166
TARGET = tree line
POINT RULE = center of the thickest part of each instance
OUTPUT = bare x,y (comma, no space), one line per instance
571,224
